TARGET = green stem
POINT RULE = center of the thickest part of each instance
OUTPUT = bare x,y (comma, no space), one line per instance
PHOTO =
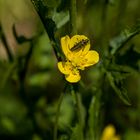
73,17
57,116
97,115
79,110
91,120
73,28
48,23
80,115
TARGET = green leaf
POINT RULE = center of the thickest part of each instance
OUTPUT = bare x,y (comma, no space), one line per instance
51,3
8,124
132,134
130,57
116,84
45,14
61,18
42,58
66,113
121,71
6,74
76,135
64,137
39,79
36,137
119,41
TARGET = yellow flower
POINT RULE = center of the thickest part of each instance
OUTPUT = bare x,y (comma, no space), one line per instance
109,133
78,56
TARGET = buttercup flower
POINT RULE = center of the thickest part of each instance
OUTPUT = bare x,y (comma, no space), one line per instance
78,56
109,133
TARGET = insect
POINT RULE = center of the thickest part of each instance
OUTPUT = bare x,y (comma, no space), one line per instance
80,45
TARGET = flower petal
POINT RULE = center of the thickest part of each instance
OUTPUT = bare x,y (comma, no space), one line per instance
91,58
76,39
65,41
73,78
63,68
109,133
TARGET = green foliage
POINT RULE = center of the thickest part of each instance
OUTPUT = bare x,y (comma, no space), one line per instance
30,83
77,132
131,134
118,42
116,84
117,73
51,19
61,18
92,115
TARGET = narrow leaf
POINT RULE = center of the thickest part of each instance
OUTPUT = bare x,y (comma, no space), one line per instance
43,11
61,18
119,41
119,89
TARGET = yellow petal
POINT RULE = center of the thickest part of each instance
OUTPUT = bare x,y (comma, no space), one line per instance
73,78
82,50
91,58
108,133
63,68
65,41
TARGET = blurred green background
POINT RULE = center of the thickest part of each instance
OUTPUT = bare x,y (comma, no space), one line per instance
30,83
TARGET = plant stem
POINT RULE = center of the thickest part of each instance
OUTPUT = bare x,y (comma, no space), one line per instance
79,109
80,115
98,102
57,116
73,17
97,115
48,23
73,27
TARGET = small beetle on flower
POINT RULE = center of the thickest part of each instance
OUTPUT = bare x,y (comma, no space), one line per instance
78,56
